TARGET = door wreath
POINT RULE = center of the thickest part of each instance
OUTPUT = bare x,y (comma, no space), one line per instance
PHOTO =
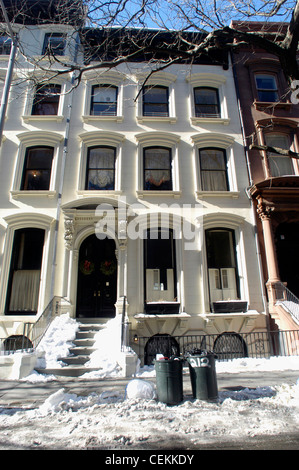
86,267
108,267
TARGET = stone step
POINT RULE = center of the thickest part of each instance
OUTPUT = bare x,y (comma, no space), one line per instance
68,371
85,342
70,360
81,351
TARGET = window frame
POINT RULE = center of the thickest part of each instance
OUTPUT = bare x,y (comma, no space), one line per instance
7,38
88,169
92,102
217,105
43,99
26,170
233,254
145,92
270,156
170,169
225,170
47,47
263,90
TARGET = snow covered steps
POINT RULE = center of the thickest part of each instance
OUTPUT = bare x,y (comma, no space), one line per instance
80,352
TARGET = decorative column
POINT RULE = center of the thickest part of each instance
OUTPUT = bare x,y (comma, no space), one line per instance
264,212
121,255
69,230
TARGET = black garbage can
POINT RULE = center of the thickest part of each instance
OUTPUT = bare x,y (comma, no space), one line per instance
203,375
169,380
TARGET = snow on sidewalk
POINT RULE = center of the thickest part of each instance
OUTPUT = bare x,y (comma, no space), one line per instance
116,419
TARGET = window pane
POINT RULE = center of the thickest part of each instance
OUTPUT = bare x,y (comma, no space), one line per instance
206,102
101,179
101,168
101,158
104,101
46,100
155,95
266,88
157,169
213,170
54,43
266,82
37,170
5,45
280,165
155,101
212,159
104,94
220,249
213,181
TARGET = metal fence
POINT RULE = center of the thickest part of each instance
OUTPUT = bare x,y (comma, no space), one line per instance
32,333
226,346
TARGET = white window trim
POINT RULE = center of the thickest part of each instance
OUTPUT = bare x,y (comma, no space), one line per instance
157,79
15,222
158,139
100,138
227,222
112,78
59,117
31,139
221,141
210,80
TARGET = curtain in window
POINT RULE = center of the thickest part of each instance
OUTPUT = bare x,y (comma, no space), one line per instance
280,165
213,170
25,290
101,168
157,172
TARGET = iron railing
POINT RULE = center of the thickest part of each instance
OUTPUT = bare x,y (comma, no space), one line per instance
32,332
227,345
287,300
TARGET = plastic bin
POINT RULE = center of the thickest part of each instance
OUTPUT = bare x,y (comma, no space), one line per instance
203,375
169,381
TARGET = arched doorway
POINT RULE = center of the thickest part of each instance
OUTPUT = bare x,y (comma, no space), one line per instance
97,278
287,247
160,344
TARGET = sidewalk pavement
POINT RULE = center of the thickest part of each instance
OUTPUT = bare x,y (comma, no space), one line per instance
19,393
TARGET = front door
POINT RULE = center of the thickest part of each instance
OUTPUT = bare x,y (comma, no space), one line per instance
287,246
97,278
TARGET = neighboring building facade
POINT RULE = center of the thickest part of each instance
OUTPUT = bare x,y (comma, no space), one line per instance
163,175
270,118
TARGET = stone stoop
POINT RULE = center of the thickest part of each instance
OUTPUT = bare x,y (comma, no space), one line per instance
80,353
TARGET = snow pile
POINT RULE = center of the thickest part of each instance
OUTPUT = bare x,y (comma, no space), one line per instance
112,421
108,357
258,364
57,341
107,350
140,389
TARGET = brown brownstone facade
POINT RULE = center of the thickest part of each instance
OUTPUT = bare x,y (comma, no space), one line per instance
269,118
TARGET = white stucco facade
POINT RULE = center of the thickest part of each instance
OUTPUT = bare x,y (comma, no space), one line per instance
68,212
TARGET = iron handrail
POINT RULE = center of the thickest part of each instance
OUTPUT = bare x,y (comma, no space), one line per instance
287,300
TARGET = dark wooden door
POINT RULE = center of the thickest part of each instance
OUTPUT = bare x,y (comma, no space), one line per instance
97,278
